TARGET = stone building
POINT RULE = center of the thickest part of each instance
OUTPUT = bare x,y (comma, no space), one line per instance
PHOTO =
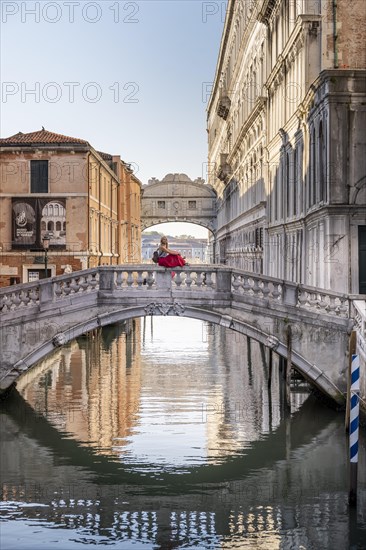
286,130
195,250
86,202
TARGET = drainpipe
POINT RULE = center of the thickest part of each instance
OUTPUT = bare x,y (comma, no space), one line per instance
100,218
335,35
111,258
88,183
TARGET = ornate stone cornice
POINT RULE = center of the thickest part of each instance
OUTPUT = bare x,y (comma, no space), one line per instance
266,11
158,308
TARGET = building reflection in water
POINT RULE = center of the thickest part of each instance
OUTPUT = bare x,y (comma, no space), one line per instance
189,447
91,388
176,397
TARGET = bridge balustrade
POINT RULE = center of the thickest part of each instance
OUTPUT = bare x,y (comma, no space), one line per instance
204,279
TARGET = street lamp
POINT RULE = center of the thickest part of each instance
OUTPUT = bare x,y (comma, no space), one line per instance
46,244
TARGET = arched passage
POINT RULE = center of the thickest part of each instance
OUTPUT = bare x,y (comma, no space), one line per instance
309,371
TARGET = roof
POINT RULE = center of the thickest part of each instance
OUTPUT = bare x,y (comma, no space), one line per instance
105,156
42,137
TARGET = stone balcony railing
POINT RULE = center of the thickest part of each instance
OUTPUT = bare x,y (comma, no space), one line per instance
359,315
201,281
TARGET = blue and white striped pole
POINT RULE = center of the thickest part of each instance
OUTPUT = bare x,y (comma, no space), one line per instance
353,427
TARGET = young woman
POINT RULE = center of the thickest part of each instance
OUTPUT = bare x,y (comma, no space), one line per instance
167,257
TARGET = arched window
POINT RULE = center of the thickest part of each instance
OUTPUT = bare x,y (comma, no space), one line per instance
58,226
50,226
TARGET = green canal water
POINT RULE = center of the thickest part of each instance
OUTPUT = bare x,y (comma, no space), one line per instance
163,434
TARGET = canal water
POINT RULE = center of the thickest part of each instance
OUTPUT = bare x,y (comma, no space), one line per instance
163,434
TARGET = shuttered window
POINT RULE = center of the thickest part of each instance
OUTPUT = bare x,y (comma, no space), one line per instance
39,176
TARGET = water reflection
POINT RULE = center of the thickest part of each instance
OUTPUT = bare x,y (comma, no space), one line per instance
165,437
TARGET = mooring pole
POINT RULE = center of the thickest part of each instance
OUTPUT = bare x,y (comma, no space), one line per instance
351,352
288,366
353,428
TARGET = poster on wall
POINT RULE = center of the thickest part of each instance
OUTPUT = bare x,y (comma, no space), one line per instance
33,218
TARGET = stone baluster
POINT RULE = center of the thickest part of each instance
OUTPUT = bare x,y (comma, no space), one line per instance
256,288
199,279
66,288
178,280
74,285
188,281
94,280
34,295
322,302
332,304
313,299
129,280
119,279
58,289
139,279
83,283
246,285
344,306
276,292
150,280
235,283
16,299
265,289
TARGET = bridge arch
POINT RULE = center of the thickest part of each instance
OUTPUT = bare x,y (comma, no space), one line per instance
309,371
177,198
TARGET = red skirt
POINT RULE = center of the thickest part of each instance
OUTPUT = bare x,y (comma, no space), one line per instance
172,260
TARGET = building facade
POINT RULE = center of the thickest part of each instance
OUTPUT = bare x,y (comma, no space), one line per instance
195,250
81,200
287,141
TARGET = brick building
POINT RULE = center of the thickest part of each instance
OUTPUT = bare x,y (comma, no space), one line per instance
87,204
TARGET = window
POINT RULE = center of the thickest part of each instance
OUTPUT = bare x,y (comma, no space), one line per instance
161,204
295,185
39,176
33,276
312,186
288,185
321,156
192,205
259,236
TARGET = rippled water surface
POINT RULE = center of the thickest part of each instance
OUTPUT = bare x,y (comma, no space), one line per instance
163,434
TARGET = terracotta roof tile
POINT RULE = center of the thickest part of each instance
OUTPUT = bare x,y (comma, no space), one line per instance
42,137
105,156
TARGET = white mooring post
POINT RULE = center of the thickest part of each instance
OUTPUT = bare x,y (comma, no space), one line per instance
353,428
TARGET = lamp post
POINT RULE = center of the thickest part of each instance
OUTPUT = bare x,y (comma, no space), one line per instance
46,244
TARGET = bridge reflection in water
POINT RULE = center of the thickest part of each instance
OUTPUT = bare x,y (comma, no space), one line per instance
166,436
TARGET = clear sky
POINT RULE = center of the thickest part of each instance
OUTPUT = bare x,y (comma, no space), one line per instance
132,78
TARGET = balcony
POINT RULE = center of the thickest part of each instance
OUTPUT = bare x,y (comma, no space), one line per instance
223,106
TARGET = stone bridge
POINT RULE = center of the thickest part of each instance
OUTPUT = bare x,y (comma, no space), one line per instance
38,317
